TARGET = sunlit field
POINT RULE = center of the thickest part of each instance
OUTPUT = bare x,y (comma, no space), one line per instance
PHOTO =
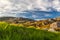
11,32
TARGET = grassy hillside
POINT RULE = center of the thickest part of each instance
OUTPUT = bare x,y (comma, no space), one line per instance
11,32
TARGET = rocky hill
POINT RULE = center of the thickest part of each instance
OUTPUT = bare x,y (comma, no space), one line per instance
41,24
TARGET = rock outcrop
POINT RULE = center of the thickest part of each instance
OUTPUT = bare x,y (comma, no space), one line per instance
55,26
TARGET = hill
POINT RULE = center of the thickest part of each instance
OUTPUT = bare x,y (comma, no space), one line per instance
41,24
11,32
15,19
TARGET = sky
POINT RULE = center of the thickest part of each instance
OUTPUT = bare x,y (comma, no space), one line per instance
34,9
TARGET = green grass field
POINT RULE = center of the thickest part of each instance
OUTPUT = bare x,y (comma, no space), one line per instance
10,32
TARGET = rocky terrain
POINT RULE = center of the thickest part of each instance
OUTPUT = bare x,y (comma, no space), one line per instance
47,24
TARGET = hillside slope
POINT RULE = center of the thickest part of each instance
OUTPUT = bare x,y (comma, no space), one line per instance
11,32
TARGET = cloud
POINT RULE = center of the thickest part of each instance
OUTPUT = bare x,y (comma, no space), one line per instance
17,6
11,7
56,5
47,15
34,16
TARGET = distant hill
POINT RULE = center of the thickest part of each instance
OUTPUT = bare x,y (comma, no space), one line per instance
22,20
16,19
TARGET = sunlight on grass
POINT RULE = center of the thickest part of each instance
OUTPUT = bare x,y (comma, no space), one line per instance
11,32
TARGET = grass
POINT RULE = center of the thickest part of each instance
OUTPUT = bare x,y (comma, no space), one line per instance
11,32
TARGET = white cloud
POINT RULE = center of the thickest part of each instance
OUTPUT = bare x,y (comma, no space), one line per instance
17,6
40,19
47,15
34,16
56,5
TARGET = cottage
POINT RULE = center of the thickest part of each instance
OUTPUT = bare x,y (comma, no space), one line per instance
55,26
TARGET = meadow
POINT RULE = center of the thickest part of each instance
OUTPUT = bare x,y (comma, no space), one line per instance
12,32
